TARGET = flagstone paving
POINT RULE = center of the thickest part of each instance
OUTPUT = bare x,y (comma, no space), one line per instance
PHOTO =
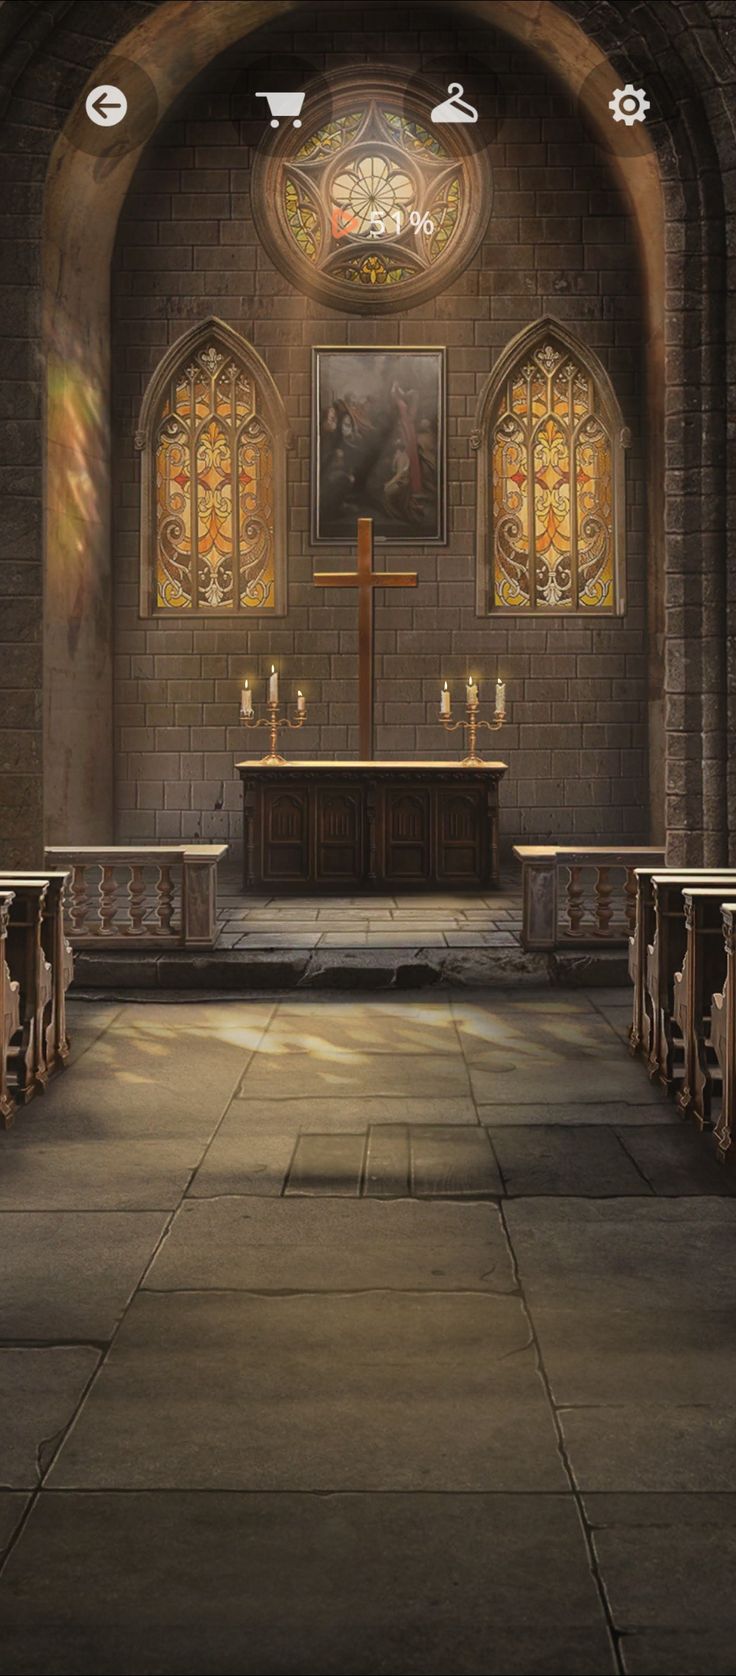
365,1334
330,922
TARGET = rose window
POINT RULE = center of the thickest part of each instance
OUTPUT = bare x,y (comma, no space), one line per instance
369,205
371,189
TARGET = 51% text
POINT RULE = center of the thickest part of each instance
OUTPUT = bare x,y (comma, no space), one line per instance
380,225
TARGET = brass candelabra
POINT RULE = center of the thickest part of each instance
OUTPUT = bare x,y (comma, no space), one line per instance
274,722
472,722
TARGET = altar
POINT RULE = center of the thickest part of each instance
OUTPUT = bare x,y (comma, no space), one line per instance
370,825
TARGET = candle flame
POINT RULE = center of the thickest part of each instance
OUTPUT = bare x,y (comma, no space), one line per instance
445,687
273,669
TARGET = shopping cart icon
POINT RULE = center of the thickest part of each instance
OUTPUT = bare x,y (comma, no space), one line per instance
284,104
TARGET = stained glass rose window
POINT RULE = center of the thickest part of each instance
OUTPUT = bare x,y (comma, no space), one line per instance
369,205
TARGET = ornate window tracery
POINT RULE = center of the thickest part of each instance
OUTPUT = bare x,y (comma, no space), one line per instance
375,208
213,437
551,515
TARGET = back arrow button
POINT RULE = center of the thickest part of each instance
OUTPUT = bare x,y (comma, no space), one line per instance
106,105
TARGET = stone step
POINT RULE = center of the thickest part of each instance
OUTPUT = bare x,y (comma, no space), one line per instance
417,967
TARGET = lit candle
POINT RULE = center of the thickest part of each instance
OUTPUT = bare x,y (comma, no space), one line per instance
301,704
445,700
500,697
246,701
472,693
273,686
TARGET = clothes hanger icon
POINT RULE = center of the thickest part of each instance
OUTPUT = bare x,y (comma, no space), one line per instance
456,108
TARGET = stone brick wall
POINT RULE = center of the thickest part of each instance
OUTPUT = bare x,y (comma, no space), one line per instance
686,47
559,242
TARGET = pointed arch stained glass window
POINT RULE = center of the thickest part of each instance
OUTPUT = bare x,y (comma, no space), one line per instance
213,452
550,446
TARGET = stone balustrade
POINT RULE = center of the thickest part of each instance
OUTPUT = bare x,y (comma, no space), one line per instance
574,897
145,895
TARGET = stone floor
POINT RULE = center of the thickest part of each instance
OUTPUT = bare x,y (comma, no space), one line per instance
370,1334
447,921
281,943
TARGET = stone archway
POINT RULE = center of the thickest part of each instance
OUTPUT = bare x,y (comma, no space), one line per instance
83,202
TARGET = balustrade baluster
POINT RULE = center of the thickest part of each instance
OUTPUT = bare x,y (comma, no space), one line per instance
165,898
593,907
78,898
136,897
108,900
575,903
140,893
604,904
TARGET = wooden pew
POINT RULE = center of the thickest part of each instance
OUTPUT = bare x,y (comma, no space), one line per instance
664,957
58,953
723,1035
641,1034
9,1013
28,1070
703,972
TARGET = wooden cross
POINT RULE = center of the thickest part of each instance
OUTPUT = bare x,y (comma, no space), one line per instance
366,580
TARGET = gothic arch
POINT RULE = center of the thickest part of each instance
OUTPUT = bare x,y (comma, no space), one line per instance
603,413
83,202
682,170
241,402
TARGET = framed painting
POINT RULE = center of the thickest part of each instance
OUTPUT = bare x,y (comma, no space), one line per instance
379,444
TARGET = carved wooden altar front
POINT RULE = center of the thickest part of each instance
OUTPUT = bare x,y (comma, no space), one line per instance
370,825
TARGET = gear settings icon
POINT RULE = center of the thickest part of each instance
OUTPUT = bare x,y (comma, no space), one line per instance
629,104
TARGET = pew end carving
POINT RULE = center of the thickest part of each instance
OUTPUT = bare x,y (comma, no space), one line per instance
651,957
703,973
27,1068
723,1036
9,1013
38,969
683,962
